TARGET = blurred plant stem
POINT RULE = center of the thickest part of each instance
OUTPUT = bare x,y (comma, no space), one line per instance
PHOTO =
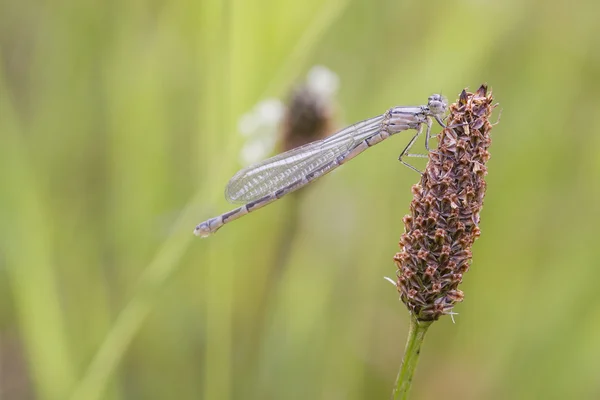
416,334
283,250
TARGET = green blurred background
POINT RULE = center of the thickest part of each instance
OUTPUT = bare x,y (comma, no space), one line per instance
119,131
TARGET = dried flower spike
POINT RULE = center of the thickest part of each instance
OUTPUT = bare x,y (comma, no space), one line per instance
444,213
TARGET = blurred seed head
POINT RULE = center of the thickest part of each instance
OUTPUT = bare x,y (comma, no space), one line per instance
444,214
309,110
307,117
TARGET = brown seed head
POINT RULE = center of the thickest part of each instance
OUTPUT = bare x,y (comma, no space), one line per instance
444,214
307,118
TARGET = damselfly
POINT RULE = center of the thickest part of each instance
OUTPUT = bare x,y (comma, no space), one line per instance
263,183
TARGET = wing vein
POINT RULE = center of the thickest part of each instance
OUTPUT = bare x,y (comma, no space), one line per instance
272,174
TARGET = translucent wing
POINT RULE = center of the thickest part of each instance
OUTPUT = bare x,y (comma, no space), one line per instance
272,174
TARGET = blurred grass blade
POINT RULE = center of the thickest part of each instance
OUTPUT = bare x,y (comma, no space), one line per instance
28,248
133,315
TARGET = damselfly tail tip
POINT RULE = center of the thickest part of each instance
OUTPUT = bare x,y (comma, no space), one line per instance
202,230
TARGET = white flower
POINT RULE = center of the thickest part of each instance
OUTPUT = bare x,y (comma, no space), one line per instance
322,80
270,111
260,127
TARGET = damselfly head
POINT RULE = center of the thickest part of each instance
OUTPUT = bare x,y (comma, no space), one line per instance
437,104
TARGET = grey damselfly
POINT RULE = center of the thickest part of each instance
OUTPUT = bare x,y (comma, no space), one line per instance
269,180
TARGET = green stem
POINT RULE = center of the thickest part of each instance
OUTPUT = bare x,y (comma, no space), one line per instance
416,334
